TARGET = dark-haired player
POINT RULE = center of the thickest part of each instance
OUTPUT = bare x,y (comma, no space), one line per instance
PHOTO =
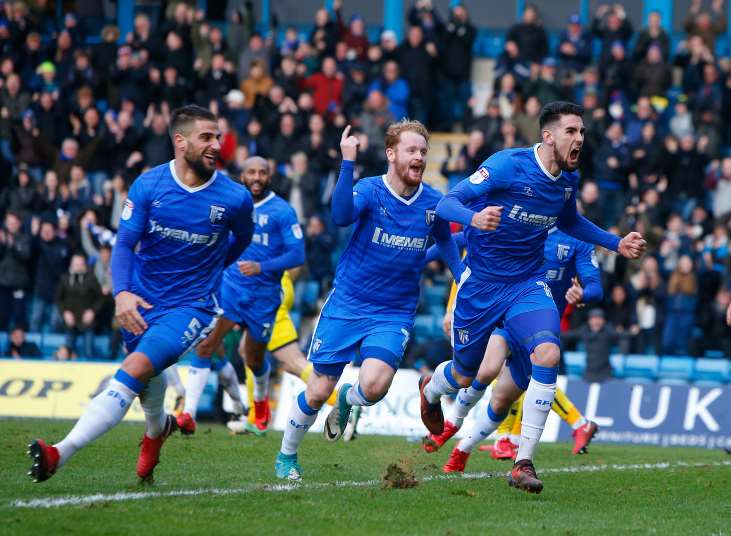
507,207
190,221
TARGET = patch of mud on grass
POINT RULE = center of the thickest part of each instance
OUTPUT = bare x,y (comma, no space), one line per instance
399,475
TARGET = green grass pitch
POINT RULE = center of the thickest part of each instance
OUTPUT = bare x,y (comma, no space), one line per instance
218,484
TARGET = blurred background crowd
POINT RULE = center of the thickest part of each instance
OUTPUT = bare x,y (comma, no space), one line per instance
84,110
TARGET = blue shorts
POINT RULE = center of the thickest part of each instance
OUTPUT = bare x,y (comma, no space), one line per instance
526,310
338,340
170,333
252,309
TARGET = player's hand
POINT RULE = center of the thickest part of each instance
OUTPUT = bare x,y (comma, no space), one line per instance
349,145
487,219
632,246
728,315
206,347
126,313
575,295
447,324
249,268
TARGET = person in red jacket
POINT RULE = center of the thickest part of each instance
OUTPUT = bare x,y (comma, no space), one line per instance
326,87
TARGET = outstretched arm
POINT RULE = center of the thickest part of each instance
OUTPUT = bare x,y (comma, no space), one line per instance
346,205
433,253
447,247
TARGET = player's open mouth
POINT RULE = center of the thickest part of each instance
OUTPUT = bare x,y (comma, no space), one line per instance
210,159
416,168
574,154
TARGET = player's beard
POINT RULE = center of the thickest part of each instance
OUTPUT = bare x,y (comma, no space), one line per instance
260,194
563,162
403,170
198,164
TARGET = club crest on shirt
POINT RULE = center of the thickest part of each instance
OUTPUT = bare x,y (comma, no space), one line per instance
480,175
464,336
431,216
567,193
263,219
562,251
216,213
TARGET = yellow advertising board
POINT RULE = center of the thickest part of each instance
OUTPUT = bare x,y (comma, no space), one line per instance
58,390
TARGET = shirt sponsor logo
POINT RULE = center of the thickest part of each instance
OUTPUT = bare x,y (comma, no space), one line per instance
539,220
183,235
398,241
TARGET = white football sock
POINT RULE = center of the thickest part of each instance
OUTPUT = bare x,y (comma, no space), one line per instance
300,418
197,380
230,384
152,400
536,406
578,424
172,377
466,400
442,383
261,382
355,396
485,424
103,412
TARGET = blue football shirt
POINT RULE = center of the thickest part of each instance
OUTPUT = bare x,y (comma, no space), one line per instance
567,257
185,234
276,230
378,273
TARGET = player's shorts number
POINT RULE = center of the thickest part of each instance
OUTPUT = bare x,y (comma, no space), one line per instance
191,334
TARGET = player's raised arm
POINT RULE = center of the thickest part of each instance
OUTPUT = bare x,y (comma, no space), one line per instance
453,207
447,247
346,206
131,227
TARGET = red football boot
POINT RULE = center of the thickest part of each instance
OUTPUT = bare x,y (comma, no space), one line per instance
456,462
150,450
523,476
433,443
186,423
431,414
502,449
263,414
583,436
44,458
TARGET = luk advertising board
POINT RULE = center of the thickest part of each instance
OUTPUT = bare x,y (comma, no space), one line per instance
656,413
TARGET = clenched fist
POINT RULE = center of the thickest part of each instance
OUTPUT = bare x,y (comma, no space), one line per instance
487,219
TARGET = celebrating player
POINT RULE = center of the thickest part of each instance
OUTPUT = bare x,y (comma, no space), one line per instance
504,280
372,305
566,258
251,294
190,221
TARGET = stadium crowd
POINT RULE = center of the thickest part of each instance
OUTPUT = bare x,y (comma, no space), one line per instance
82,115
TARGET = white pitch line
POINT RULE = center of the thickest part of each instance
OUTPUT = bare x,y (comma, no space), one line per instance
80,500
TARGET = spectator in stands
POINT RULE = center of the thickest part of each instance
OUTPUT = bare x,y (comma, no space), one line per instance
590,205
652,76
509,138
319,245
455,59
394,88
15,262
353,35
326,87
611,164
417,60
530,36
718,181
621,316
575,46
52,256
683,164
653,34
704,24
680,318
375,118
156,147
543,85
64,353
489,123
598,339
19,347
287,142
304,193
611,25
648,292
324,35
713,321
509,61
79,299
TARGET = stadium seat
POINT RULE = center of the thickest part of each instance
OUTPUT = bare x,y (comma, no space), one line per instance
643,367
674,369
714,354
575,363
423,327
617,363
3,342
711,370
310,293
51,342
434,295
437,311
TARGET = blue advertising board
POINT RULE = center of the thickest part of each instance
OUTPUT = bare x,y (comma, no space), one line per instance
659,414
